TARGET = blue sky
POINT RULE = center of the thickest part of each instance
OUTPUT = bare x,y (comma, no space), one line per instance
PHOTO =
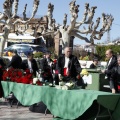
62,6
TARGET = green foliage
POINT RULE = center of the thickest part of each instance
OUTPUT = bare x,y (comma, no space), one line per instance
102,49
53,54
86,58
38,55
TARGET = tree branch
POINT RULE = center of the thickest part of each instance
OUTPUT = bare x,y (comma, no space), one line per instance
82,38
90,15
24,12
99,36
2,16
109,22
82,31
15,7
21,21
97,23
74,15
35,8
65,20
84,15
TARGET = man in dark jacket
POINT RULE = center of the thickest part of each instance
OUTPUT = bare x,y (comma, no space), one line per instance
68,66
2,65
115,75
112,62
47,67
30,63
16,60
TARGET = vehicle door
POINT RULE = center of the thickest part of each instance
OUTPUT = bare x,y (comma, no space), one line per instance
25,49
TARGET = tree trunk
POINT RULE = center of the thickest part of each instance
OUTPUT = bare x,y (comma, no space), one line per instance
2,44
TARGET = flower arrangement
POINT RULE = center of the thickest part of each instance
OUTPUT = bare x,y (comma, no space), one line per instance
66,85
36,81
84,72
12,74
19,76
87,78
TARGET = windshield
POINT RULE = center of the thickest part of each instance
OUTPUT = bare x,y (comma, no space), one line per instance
39,48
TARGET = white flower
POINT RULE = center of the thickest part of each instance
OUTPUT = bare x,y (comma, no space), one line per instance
69,84
50,84
61,83
35,80
58,87
64,87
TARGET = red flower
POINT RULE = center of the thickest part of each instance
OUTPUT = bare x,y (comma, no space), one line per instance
19,73
16,75
55,61
29,76
31,82
18,80
39,83
25,80
5,75
27,71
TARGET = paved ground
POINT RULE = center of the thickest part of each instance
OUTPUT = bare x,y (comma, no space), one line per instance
20,113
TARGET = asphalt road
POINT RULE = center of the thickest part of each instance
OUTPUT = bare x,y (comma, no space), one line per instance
21,113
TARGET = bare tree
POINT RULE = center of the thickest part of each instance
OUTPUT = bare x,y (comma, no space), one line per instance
24,12
7,18
75,27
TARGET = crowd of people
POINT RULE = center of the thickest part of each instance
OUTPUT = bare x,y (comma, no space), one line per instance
65,68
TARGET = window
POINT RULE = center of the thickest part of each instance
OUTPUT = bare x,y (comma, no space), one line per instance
39,48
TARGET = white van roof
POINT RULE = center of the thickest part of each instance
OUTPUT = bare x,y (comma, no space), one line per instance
27,44
14,36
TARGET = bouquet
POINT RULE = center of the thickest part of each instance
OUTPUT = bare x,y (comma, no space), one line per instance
84,72
20,76
66,85
36,81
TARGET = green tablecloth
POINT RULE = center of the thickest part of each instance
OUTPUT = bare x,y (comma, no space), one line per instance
67,104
